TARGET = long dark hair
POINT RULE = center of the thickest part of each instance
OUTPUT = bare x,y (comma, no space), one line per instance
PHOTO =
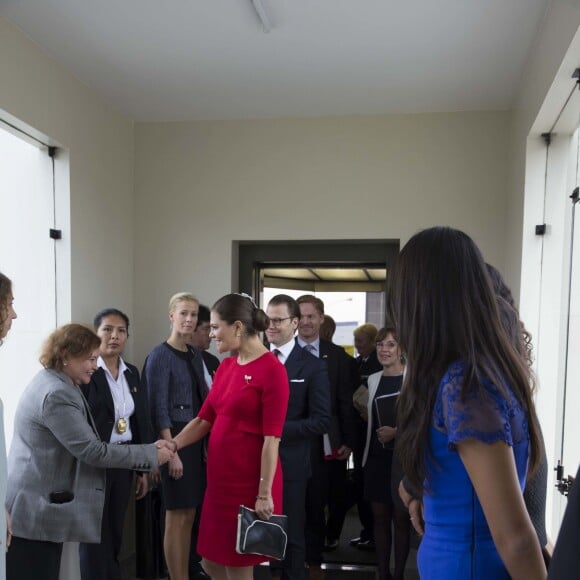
510,316
5,294
444,308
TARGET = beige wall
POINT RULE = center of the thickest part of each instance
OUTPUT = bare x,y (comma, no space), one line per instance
347,178
371,177
39,92
380,176
200,185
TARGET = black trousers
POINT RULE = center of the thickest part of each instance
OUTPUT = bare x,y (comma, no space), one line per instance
33,559
293,565
101,561
354,494
326,487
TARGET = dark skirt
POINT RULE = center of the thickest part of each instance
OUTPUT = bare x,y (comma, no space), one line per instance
186,492
377,478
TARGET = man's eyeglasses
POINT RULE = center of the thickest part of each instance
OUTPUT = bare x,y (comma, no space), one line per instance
278,321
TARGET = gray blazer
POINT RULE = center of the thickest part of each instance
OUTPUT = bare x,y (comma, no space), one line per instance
55,448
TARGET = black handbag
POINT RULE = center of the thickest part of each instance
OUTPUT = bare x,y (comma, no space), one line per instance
264,537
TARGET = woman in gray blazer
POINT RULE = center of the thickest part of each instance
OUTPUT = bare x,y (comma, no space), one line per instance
56,465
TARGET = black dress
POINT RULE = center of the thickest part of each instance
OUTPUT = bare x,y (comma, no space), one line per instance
171,371
379,463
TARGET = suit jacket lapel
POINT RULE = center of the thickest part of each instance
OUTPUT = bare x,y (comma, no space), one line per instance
90,419
132,381
323,349
71,395
295,361
103,390
197,364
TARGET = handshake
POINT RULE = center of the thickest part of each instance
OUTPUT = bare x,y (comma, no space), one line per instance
166,450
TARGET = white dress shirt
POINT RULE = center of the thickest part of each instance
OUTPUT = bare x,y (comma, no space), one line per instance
122,400
284,350
314,346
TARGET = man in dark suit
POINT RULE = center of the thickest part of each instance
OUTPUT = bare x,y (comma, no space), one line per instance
308,416
367,363
331,450
120,412
200,339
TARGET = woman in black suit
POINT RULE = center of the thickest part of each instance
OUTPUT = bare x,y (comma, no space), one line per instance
119,408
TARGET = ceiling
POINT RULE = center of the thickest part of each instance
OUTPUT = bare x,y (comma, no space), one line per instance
327,274
319,278
174,60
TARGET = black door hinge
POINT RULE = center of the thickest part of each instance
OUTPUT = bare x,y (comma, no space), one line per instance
540,229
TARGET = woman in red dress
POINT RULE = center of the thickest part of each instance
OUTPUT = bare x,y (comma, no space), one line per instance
245,412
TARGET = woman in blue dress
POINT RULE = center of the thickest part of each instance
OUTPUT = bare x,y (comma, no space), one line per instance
467,429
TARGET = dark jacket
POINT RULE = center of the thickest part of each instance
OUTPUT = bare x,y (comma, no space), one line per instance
308,412
343,378
211,362
98,395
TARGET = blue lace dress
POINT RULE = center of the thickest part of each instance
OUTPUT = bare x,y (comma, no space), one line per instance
457,544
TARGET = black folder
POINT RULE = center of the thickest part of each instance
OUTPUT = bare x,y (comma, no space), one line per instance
386,409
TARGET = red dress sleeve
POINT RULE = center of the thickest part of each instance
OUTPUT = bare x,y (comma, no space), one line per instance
275,399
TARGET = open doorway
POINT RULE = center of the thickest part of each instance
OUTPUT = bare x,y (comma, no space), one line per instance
351,296
350,276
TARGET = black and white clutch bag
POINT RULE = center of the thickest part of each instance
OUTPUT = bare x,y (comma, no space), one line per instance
264,537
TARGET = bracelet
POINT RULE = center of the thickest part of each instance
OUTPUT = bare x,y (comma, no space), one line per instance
263,497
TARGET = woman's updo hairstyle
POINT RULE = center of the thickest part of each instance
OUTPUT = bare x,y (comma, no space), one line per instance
232,307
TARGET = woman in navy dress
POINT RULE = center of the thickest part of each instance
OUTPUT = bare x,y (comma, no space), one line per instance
467,429
173,375
381,467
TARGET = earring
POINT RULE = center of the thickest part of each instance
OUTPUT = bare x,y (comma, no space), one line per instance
64,364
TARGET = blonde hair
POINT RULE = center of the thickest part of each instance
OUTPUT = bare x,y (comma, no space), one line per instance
368,329
181,297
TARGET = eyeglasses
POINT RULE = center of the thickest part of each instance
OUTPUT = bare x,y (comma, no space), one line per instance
278,321
379,345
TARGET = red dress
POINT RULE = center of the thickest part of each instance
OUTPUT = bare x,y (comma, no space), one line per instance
246,403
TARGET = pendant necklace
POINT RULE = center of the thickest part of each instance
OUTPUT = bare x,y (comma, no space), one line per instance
121,423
